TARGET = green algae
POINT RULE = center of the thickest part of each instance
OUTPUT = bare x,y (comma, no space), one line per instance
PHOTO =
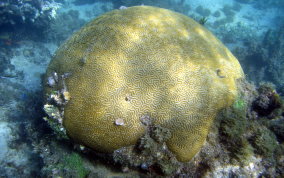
232,131
239,104
74,162
264,142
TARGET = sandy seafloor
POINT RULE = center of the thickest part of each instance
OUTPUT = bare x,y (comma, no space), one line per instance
30,60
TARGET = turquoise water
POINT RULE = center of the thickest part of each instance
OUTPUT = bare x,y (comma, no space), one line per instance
30,33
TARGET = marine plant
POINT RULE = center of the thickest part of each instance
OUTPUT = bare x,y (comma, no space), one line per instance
240,104
268,102
233,127
73,164
264,142
277,126
203,20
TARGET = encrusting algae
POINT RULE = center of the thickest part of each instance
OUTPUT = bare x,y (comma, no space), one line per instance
142,62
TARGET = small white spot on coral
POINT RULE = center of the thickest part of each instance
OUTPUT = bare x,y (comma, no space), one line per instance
119,122
50,81
55,76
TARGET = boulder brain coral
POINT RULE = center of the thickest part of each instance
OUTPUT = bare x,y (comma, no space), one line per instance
142,62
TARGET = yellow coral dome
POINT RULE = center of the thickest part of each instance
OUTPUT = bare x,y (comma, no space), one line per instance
144,61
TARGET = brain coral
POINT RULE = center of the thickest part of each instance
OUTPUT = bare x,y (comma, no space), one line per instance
144,61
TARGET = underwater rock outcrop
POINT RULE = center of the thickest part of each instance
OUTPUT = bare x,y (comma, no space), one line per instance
268,52
136,63
26,17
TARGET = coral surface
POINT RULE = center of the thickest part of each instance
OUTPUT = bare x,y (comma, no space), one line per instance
141,62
